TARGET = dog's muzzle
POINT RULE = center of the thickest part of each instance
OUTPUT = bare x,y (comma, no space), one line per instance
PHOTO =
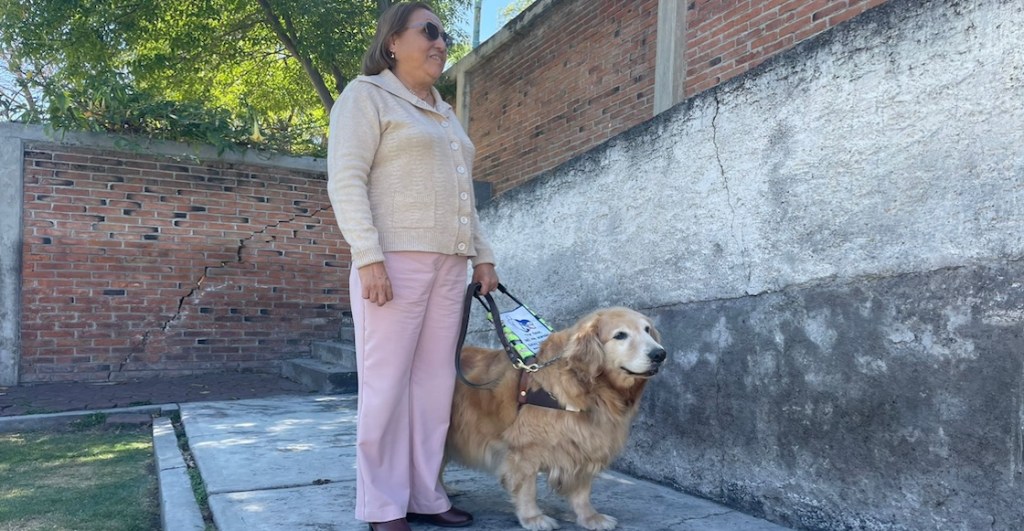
656,356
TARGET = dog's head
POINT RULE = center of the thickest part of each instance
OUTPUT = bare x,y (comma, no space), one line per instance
619,342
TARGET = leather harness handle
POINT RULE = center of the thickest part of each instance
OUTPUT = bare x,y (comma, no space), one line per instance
473,292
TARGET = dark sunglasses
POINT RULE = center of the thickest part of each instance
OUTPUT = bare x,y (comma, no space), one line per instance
433,33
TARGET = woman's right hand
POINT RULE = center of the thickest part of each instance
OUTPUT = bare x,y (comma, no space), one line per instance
376,284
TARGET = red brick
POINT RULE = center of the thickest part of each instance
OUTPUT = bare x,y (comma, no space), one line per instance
98,288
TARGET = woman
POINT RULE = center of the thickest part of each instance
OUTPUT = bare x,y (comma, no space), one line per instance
399,178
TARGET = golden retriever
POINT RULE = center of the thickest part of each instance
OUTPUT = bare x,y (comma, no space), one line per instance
603,364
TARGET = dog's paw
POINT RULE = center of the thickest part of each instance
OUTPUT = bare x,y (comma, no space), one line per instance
597,521
541,522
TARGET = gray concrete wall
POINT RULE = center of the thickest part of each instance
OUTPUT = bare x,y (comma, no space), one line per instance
832,246
10,257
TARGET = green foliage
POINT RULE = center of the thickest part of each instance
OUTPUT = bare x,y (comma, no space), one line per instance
513,8
110,103
234,73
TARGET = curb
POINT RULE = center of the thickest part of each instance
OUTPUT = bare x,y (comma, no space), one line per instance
179,510
50,420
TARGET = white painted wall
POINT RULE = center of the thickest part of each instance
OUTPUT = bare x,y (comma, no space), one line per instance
832,247
894,144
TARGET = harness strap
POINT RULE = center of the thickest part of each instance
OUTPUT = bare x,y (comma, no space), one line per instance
492,307
526,366
467,307
538,397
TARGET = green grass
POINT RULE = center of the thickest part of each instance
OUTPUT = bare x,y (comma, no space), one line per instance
91,478
198,485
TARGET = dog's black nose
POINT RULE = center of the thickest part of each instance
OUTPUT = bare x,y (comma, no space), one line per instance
657,355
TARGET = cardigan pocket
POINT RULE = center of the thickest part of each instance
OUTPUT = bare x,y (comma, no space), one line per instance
413,208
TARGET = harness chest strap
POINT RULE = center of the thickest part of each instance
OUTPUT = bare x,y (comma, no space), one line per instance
538,397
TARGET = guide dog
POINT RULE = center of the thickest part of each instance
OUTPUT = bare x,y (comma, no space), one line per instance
597,373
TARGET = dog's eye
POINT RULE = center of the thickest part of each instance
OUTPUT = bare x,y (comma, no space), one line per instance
620,336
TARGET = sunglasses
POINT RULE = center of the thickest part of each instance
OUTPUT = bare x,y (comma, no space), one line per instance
433,33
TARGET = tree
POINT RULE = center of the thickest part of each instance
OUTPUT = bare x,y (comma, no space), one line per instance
260,73
513,8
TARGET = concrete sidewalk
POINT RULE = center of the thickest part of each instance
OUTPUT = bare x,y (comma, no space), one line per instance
287,463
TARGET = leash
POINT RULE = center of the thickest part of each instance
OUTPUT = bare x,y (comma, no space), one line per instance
519,355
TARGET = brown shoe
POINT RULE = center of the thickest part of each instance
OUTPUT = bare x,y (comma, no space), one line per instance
451,518
391,525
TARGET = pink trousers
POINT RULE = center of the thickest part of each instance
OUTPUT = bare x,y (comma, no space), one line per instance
405,357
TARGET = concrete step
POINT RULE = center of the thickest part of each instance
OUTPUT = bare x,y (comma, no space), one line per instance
320,376
348,330
341,353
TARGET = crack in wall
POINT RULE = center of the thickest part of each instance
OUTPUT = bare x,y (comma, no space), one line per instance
737,235
144,343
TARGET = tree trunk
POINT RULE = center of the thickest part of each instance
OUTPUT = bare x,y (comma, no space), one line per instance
290,43
339,79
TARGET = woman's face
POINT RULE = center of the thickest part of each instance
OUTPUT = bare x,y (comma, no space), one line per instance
416,55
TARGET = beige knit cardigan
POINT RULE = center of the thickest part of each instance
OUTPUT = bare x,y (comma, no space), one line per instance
399,174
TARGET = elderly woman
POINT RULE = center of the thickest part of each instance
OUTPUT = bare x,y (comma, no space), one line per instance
399,179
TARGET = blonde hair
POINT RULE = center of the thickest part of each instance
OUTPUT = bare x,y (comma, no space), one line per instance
392,22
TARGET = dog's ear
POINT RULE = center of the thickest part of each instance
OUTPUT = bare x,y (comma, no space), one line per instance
553,346
585,351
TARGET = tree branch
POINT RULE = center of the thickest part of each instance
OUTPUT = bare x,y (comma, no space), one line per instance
339,78
291,44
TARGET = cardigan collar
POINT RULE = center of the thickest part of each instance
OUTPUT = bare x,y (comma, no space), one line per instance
388,81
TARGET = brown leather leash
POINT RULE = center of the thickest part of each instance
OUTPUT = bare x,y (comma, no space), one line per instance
521,358
473,292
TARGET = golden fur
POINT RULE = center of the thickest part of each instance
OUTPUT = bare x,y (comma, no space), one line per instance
605,361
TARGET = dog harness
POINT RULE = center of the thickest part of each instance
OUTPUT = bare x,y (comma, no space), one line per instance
521,348
539,397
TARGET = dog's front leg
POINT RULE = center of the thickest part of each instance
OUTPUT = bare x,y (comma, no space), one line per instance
522,486
586,516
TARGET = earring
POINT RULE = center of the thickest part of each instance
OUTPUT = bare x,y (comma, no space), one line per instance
391,54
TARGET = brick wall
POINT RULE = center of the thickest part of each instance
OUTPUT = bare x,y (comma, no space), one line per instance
726,38
142,265
583,71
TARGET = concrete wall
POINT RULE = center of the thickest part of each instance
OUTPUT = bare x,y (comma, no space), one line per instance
10,257
832,247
